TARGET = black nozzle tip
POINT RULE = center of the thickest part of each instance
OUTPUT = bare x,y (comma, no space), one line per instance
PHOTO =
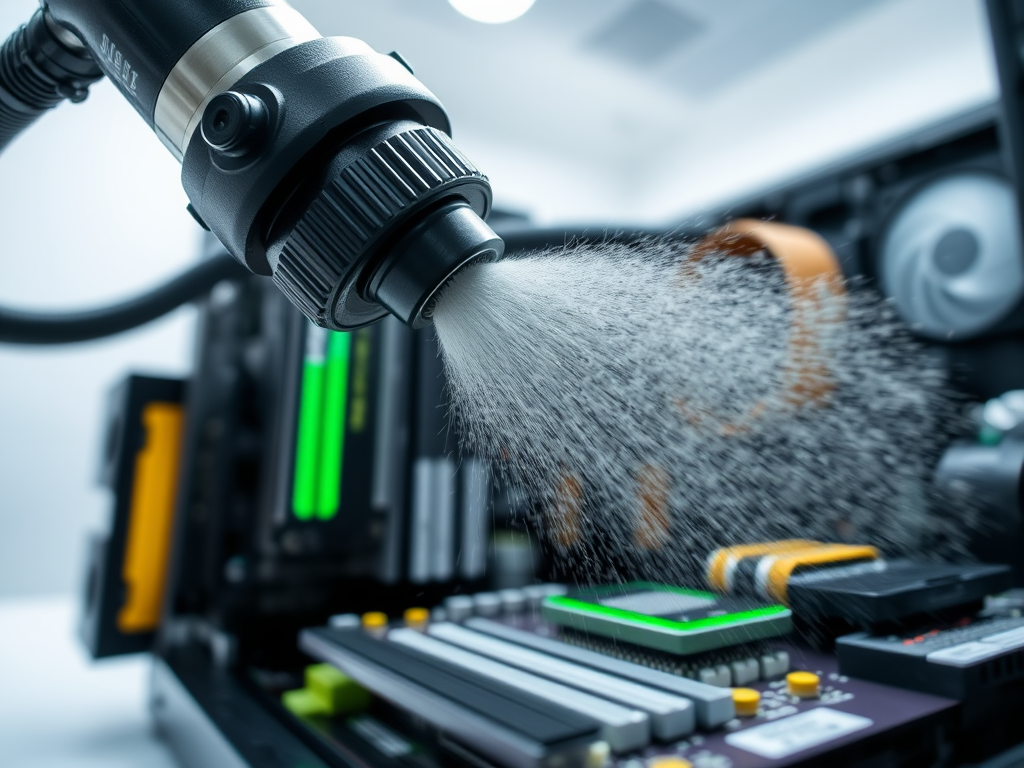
409,281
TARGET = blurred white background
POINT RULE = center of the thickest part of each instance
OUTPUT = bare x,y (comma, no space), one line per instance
628,111
91,210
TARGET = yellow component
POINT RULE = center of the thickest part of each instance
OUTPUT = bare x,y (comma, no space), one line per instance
746,701
720,559
669,762
304,703
149,518
375,620
416,617
778,575
803,684
340,693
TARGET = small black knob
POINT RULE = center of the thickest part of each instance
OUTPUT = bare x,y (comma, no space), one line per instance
235,123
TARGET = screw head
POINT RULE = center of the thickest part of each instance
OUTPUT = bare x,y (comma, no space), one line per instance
234,123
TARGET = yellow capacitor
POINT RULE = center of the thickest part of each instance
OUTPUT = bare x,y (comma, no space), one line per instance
416,618
746,701
375,621
803,684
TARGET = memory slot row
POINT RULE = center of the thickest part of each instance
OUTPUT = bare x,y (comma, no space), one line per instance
627,705
672,716
624,728
713,705
491,718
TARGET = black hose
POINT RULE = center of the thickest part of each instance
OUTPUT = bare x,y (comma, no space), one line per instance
18,327
41,65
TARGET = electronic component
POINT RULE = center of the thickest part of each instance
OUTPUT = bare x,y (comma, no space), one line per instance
458,607
512,600
493,719
765,569
339,426
327,692
128,564
416,618
722,563
958,660
882,591
988,477
622,727
746,701
432,545
792,735
671,716
713,705
734,665
375,622
487,604
803,685
847,582
666,618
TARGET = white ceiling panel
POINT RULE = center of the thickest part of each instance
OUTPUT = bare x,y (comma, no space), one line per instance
641,110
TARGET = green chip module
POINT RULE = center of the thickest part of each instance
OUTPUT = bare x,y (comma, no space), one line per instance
667,618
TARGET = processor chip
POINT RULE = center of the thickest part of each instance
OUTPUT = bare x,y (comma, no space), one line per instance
667,618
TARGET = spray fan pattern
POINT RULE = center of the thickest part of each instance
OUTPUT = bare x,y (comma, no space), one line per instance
653,407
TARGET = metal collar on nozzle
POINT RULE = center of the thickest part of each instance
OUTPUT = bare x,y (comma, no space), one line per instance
410,280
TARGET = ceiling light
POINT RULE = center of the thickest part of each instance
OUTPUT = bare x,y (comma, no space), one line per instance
492,11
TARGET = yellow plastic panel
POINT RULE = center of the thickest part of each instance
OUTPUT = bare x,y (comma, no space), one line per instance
149,521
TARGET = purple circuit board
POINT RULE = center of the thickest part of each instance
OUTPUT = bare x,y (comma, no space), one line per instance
789,730
847,716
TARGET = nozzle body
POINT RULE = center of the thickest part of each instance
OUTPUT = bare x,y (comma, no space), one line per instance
316,161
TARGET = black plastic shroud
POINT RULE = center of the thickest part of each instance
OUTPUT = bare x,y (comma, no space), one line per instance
241,200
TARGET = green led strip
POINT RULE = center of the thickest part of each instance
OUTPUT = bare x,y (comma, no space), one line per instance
654,621
320,440
307,448
332,446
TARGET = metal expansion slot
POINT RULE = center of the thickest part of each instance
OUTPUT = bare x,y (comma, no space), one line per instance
713,705
493,719
672,716
624,729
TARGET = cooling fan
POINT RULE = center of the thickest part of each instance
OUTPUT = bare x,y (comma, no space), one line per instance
951,256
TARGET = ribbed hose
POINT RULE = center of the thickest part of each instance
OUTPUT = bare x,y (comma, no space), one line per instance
39,70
